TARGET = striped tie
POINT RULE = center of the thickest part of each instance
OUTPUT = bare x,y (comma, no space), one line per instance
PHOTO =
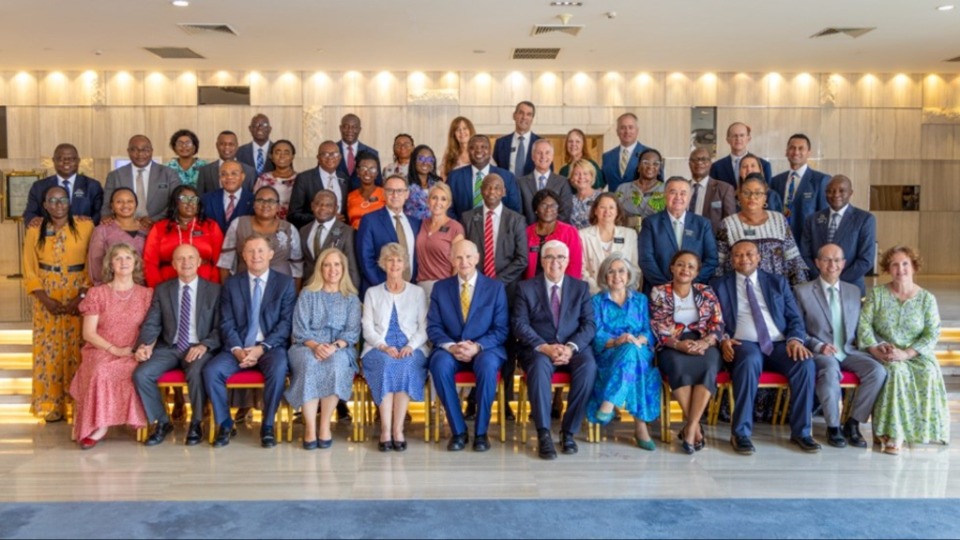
260,161
232,206
489,255
477,196
465,300
832,227
624,159
183,326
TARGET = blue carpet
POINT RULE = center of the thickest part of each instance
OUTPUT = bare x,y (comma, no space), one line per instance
682,518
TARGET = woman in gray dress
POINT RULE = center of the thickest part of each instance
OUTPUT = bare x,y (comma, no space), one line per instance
323,357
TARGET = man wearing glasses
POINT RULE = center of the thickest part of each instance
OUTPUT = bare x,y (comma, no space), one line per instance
84,193
709,198
152,182
325,176
256,153
227,147
389,224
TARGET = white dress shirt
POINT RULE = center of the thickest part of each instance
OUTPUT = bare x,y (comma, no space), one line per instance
263,291
497,214
331,182
236,200
701,195
315,229
514,144
746,330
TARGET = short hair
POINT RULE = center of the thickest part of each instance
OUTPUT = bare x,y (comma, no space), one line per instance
396,176
593,219
911,254
632,272
293,149
367,155
66,146
479,137
175,198
636,174
542,140
254,236
325,193
754,177
800,136
263,188
737,124
681,253
555,244
543,195
226,132
398,137
392,249
528,104
582,163
744,241
317,282
672,179
627,115
185,133
828,244
349,116
137,262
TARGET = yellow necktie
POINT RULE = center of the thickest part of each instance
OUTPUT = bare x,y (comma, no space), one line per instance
465,300
402,240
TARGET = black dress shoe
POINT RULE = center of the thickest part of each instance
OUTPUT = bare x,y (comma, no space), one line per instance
457,442
385,446
267,438
851,430
807,444
399,446
343,413
545,448
567,444
835,438
311,445
508,414
323,444
742,445
194,434
159,434
471,413
481,443
224,434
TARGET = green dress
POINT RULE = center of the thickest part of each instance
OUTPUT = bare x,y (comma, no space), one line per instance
912,406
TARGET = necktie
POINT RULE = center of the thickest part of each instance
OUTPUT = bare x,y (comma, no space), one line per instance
351,160
318,241
141,188
253,320
836,317
736,170
183,325
832,227
624,159
542,183
678,233
231,206
521,159
693,200
66,187
763,334
259,161
489,255
402,240
791,188
555,305
477,196
465,300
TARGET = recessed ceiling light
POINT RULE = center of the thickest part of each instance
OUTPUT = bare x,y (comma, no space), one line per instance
180,3
566,4
947,7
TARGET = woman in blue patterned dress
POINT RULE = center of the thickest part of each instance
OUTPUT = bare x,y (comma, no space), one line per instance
323,358
623,345
422,176
395,345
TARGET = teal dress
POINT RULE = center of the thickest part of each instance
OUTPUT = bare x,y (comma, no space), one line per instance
912,405
189,176
626,375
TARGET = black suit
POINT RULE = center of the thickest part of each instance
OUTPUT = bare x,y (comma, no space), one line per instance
86,198
245,155
341,236
307,184
209,177
556,183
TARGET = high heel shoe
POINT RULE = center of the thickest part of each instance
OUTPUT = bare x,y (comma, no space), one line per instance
648,445
385,446
399,446
87,443
604,418
699,445
687,447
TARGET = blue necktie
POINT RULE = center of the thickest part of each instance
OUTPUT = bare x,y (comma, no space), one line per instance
183,325
254,318
763,334
259,161
66,186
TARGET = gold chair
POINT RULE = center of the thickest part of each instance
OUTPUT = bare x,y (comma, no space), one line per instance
467,379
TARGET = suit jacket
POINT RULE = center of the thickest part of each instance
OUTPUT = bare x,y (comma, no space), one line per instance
856,235
340,237
461,184
209,177
809,197
276,310
720,201
722,169
501,152
307,184
510,246
611,166
556,183
163,180
487,323
342,167
163,318
245,155
815,308
776,292
215,210
87,198
658,243
532,319
376,230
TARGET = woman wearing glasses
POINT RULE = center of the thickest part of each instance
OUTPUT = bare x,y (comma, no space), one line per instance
422,177
185,145
547,227
644,196
186,223
369,197
402,150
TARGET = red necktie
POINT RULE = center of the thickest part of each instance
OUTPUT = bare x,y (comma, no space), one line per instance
351,160
489,256
232,206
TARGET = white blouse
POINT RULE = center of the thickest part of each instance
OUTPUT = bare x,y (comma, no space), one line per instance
411,313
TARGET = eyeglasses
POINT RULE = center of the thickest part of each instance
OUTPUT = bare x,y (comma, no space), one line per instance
699,160
403,144
260,125
548,206
140,150
390,192
188,199
833,260
753,194
426,159
324,155
551,258
368,169
186,144
266,202
53,201
648,163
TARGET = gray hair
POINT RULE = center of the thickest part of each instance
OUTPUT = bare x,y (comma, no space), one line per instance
556,244
632,273
393,249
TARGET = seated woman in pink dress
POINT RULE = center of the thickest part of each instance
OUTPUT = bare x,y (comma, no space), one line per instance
112,314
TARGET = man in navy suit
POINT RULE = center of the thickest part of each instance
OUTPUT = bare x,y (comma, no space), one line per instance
85,193
208,178
841,223
466,182
377,229
727,169
620,163
802,189
764,330
324,176
230,201
467,323
709,198
256,153
553,321
665,233
256,316
542,178
513,152
350,148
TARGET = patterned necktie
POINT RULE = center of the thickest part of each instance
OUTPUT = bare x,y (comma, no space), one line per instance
693,200
836,317
791,188
542,182
141,188
253,319
183,325
260,161
624,159
477,196
763,334
66,187
402,240
555,305
465,300
351,160
231,206
832,227
521,159
489,255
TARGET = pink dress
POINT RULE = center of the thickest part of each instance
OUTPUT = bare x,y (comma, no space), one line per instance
103,387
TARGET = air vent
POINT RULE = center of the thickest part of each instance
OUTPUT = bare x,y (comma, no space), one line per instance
531,53
201,28
172,53
957,59
852,32
540,29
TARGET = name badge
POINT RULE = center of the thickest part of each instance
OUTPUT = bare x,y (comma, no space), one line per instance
808,195
534,249
618,240
749,232
716,204
163,186
79,194
197,233
688,232
445,229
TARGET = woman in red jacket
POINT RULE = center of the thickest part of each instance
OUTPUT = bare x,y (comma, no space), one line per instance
186,223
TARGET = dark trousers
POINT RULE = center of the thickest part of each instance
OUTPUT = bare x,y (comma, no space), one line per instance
443,368
163,360
273,365
748,363
539,372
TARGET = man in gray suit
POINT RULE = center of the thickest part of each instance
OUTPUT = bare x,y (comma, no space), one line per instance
326,231
181,330
543,177
209,176
152,182
831,311
709,197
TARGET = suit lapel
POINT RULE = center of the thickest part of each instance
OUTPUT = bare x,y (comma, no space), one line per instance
824,304
455,301
174,294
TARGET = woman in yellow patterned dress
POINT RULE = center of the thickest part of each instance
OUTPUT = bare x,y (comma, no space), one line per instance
55,276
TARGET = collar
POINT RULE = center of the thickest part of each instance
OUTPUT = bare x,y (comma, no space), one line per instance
266,147
191,284
734,156
753,278
841,211
801,171
472,281
497,210
537,173
702,182
550,284
263,277
485,171
682,219
825,286
629,147
72,179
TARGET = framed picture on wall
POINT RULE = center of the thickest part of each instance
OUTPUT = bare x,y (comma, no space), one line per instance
16,190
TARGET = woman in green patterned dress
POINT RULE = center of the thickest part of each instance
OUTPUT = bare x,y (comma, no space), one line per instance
644,196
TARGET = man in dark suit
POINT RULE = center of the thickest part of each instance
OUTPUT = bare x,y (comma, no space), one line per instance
709,198
209,176
377,229
512,152
620,163
841,223
465,182
468,324
553,321
326,231
763,330
350,148
181,331
831,311
85,193
727,169
541,178
665,233
152,182
256,316
256,153
325,176
230,201
802,189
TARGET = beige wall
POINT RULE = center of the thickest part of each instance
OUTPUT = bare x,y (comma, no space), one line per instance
877,129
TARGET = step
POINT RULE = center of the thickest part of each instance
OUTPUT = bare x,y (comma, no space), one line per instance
16,399
16,337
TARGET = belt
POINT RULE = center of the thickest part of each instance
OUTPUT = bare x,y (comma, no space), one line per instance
74,268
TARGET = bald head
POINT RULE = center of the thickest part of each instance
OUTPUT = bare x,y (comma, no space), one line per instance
186,261
464,258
